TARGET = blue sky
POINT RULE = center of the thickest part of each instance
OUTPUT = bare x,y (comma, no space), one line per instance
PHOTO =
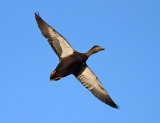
129,68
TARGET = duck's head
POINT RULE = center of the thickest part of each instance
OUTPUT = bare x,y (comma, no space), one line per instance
97,48
94,49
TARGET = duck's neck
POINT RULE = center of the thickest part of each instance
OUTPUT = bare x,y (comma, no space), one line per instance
90,52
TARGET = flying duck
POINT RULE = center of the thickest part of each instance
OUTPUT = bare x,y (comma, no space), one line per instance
73,62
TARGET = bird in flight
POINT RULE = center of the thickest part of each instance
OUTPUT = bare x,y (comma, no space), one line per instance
73,62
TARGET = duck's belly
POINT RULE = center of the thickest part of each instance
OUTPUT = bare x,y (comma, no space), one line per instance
69,66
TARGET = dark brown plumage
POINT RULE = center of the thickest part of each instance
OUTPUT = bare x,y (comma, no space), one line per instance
73,62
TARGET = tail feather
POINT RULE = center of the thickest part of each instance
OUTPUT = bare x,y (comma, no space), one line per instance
54,76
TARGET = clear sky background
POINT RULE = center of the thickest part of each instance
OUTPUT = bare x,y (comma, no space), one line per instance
129,68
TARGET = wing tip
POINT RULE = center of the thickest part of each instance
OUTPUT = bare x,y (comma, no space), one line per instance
108,100
113,104
39,20
116,106
37,14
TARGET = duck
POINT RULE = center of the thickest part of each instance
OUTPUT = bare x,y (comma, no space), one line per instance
73,62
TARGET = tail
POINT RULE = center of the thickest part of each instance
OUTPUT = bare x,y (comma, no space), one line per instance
54,77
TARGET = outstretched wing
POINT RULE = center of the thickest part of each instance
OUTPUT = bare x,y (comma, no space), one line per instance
57,42
91,82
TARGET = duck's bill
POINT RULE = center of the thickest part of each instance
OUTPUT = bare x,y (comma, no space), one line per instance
101,48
